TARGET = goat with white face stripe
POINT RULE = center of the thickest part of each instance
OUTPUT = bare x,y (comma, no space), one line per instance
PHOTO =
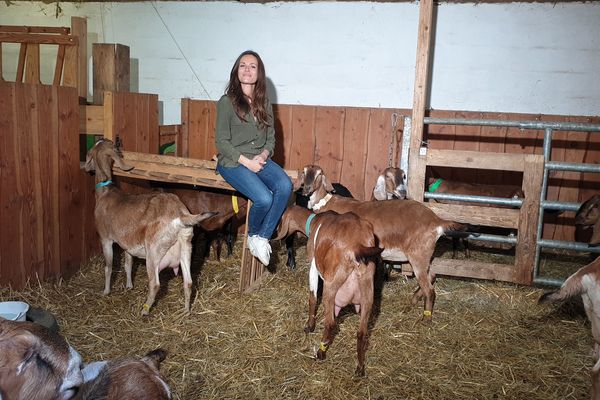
391,184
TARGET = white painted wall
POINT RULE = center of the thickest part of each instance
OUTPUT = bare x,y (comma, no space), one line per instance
520,57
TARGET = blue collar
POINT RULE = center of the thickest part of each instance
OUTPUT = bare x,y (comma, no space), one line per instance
102,184
308,221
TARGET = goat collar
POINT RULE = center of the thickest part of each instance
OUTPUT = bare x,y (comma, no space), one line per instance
433,187
322,202
308,221
103,183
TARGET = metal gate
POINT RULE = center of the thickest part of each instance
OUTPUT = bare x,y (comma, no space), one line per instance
549,165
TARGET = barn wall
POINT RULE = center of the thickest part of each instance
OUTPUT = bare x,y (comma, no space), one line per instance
352,145
511,57
46,201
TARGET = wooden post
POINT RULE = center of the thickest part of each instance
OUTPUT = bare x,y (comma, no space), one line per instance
110,69
32,64
533,174
79,30
183,140
109,123
416,174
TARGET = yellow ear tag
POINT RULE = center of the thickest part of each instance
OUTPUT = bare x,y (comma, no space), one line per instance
427,313
234,203
323,346
146,307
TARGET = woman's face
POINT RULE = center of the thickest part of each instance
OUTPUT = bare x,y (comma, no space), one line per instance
248,70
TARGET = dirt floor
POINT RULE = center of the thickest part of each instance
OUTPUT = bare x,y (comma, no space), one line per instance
488,340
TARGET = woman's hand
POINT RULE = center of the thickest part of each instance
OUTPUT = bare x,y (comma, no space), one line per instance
255,164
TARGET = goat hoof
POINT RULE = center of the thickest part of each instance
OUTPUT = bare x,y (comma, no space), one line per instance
321,354
308,328
106,292
360,371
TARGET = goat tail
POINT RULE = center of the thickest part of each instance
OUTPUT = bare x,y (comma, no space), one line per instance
155,357
364,254
459,230
194,219
572,287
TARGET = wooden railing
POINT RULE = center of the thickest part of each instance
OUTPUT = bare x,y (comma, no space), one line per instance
70,67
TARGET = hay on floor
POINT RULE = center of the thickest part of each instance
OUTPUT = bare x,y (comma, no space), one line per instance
488,340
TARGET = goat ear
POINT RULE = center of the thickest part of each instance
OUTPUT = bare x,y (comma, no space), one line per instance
283,228
595,240
297,183
326,184
120,163
90,163
379,190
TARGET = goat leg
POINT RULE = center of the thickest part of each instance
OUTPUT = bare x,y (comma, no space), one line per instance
291,252
312,313
107,250
153,284
184,263
127,266
362,338
329,292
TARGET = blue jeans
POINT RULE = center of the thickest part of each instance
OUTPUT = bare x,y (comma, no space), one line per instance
269,190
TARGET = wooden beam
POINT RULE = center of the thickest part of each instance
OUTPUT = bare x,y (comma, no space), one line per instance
477,215
58,66
111,69
475,159
79,34
32,64
31,38
533,176
62,30
472,269
109,123
416,174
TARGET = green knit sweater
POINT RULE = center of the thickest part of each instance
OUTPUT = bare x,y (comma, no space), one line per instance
234,136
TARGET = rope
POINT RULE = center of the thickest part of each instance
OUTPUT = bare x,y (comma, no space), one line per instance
180,50
393,138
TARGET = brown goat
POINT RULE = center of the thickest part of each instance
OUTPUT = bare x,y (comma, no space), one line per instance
342,251
36,363
227,219
154,226
129,378
588,215
391,184
407,230
455,187
585,283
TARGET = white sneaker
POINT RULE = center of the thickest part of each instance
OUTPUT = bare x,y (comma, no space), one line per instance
263,250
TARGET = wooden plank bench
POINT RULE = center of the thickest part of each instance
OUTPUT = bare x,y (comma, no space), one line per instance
199,173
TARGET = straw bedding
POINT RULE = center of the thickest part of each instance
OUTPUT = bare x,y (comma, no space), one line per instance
488,340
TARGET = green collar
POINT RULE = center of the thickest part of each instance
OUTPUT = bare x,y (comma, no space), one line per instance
433,187
102,184
308,221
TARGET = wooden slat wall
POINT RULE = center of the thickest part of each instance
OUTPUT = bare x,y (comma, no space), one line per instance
352,146
42,199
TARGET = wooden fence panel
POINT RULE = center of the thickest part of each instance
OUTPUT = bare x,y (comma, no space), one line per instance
355,151
10,256
41,198
25,100
302,142
329,128
70,193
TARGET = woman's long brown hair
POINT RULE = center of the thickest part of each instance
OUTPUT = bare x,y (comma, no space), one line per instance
239,100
